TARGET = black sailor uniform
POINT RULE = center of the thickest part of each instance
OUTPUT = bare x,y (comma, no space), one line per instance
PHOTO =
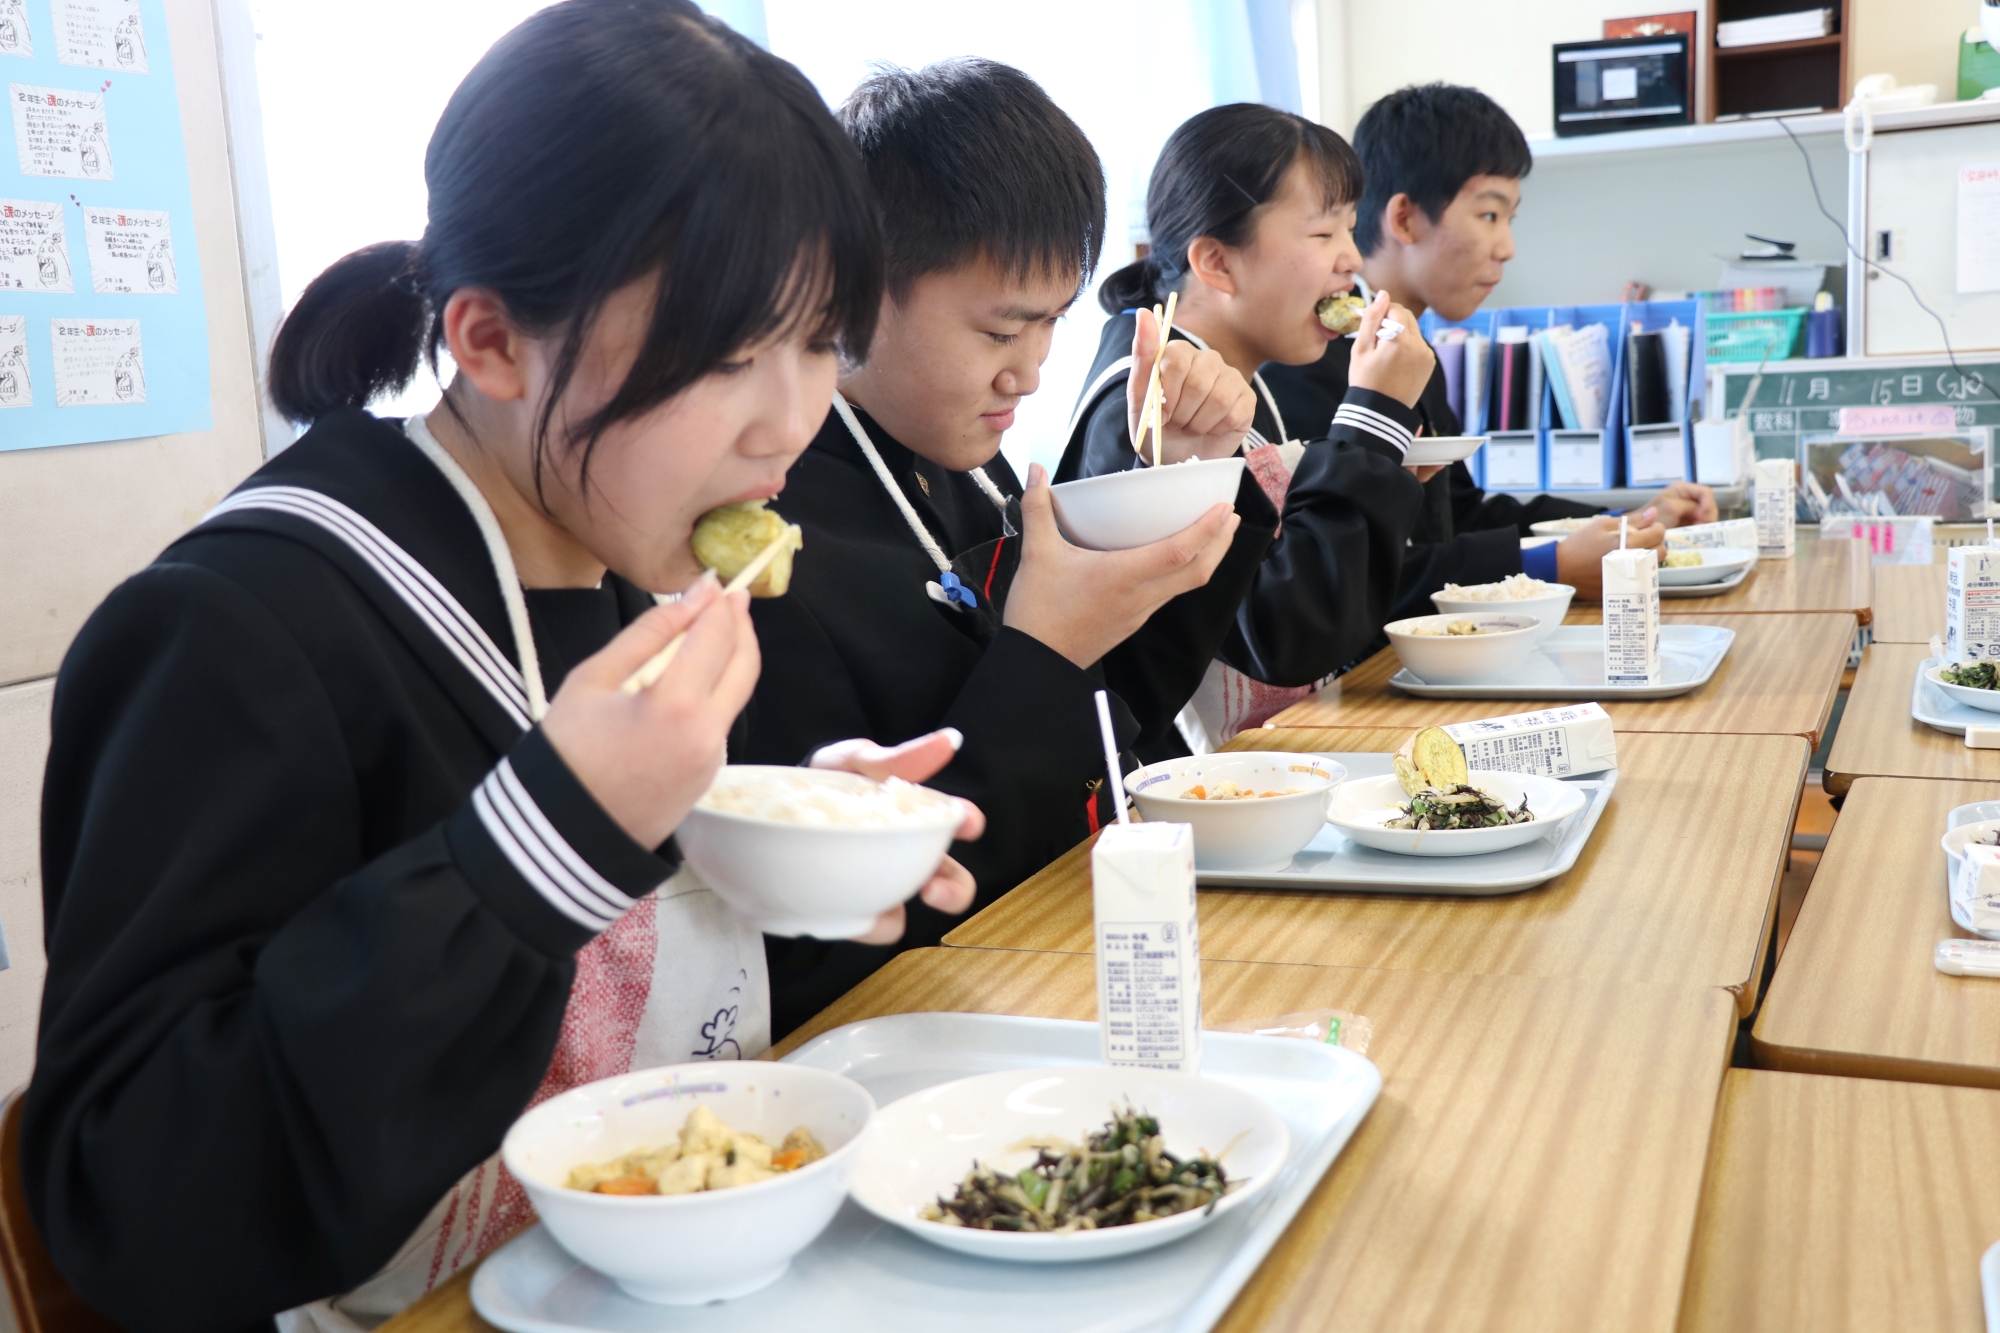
1465,535
304,968
858,648
1320,596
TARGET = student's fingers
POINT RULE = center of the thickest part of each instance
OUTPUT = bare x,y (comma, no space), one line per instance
1038,515
1426,471
950,889
1226,407
888,928
1169,555
1372,316
912,761
972,824
1145,344
713,643
1652,535
1194,379
636,644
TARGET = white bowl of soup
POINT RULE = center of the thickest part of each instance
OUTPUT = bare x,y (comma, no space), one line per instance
1250,810
1518,595
584,1156
1120,510
805,851
1464,647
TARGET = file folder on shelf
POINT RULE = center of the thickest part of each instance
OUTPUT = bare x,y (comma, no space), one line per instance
1471,401
1661,452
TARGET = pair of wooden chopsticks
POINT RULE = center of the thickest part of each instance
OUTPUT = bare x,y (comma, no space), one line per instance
656,665
1155,397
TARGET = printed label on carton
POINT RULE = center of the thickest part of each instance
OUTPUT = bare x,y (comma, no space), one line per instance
1971,604
1975,889
1631,618
1148,946
1736,534
1777,518
1552,742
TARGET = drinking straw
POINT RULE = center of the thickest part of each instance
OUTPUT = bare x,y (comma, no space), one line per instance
1111,755
1621,532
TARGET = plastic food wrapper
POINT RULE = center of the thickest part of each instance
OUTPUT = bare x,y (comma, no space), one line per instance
1331,1027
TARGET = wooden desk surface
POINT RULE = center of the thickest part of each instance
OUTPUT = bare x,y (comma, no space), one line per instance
1677,885
1833,575
1856,993
1779,679
1534,1161
1878,738
1837,1204
1909,603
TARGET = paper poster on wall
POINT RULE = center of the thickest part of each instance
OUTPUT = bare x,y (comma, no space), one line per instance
34,249
16,38
130,251
1979,228
103,326
100,34
16,388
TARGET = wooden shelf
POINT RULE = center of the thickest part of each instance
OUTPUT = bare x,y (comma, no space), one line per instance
1832,39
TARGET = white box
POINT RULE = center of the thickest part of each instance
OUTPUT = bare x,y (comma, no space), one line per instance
1723,452
1553,742
1631,617
1736,534
1148,946
1975,890
1971,604
1777,517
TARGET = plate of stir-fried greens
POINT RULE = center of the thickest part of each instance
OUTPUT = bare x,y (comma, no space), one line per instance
1975,684
1433,805
1067,1164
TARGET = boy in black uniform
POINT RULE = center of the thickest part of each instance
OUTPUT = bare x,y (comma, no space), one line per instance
1443,168
938,592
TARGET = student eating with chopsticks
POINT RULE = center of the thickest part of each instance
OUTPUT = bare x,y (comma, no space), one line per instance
941,592
1251,210
354,845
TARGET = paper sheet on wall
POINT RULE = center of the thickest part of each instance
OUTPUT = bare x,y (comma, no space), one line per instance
1979,228
103,321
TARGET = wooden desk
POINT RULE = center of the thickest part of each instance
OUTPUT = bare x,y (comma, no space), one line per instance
1878,738
1534,1161
1855,993
1677,885
1779,679
1834,575
1838,1204
1909,603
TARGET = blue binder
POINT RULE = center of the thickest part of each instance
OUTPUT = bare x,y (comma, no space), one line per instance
1480,322
1515,456
1587,460
1648,455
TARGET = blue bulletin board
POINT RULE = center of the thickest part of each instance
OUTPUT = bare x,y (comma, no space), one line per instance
103,330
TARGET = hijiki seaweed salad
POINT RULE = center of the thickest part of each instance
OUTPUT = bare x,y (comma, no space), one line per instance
1974,675
1431,768
1121,1175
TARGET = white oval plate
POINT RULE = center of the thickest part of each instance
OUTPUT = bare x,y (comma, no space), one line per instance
1361,806
1558,527
1986,701
1717,564
922,1146
1432,450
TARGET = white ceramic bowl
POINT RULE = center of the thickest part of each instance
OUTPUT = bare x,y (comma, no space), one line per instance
1717,564
922,1146
1986,701
1120,510
1361,806
815,879
1433,450
1262,833
1465,659
1549,609
689,1249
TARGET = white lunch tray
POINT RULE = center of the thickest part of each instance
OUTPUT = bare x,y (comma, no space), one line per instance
1333,862
1714,589
1934,708
1569,664
864,1274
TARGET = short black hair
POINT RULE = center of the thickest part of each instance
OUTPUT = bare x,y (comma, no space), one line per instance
971,157
1427,141
1214,173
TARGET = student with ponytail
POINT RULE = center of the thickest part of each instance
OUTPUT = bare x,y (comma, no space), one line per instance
1251,212
353,847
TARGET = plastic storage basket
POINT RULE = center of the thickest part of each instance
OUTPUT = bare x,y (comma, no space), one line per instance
1765,335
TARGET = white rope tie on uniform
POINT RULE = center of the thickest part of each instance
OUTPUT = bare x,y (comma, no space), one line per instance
497,550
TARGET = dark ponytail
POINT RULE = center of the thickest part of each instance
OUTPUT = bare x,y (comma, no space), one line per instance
598,143
1214,173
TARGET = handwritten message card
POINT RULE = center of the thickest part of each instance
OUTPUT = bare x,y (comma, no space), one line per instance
34,249
60,132
130,251
98,362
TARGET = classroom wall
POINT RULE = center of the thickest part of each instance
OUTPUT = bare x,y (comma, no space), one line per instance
1915,40
75,521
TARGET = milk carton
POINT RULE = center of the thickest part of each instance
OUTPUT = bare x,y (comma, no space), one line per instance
1736,534
1975,891
1148,946
1777,517
1971,604
1631,618
1553,742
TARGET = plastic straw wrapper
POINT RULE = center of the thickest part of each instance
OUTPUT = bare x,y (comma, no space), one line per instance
1330,1027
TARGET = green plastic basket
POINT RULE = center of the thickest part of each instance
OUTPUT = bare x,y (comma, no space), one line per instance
1763,335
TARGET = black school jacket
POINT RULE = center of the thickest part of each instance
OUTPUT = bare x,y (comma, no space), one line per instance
1465,535
858,648
305,962
1323,591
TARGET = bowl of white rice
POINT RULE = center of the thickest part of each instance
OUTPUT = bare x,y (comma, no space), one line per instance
1546,602
807,851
